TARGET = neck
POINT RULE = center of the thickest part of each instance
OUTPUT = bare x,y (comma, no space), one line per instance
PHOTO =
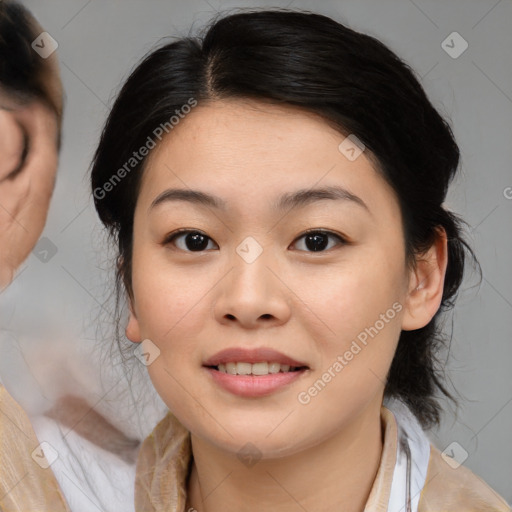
337,472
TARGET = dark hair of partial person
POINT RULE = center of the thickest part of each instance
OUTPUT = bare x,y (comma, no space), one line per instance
23,72
356,84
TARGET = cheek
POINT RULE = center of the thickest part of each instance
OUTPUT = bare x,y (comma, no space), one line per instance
362,314
172,312
169,298
173,316
361,303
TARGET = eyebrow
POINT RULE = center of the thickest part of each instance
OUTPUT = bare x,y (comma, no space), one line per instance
297,199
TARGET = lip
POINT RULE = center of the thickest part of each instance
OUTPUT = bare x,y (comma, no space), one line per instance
255,355
254,386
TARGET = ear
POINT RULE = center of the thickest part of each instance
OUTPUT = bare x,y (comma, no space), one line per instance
132,329
426,284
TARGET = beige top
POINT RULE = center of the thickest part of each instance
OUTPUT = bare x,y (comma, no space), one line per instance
164,463
165,457
24,484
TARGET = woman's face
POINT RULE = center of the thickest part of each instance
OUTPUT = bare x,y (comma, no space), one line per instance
248,277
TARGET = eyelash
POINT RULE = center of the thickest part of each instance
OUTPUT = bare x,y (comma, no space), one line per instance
172,236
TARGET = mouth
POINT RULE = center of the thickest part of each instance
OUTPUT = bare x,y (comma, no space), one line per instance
255,380
255,369
255,372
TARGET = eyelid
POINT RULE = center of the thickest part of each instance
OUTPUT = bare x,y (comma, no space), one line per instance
344,241
168,238
325,232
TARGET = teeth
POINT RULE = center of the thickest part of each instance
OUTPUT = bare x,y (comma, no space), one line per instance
274,367
262,368
230,368
243,368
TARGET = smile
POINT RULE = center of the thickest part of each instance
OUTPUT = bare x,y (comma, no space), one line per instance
250,383
262,368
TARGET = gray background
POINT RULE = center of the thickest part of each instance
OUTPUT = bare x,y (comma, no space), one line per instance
61,307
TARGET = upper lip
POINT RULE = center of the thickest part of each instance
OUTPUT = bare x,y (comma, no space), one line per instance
256,355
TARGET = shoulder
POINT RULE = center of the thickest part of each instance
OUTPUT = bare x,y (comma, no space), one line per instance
26,480
163,464
456,489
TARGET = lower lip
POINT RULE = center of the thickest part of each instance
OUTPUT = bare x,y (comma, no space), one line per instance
254,385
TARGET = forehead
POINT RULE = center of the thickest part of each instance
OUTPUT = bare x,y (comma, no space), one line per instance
235,148
235,129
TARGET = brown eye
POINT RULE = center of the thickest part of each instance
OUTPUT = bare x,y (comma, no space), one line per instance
190,240
318,240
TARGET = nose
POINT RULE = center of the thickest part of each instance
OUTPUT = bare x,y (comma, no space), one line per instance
253,294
